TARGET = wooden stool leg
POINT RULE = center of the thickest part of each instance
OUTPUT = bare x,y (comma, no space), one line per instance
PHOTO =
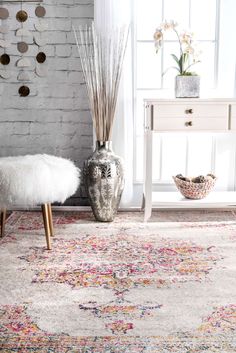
46,225
50,219
3,219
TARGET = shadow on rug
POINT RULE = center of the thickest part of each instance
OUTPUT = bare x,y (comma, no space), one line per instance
165,286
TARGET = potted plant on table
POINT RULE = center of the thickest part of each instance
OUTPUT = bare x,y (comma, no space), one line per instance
187,82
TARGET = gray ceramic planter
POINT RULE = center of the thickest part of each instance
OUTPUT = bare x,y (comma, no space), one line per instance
187,86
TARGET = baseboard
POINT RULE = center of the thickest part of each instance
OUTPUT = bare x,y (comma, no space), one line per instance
55,208
72,208
126,209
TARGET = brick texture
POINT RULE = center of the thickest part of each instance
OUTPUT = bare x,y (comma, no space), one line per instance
55,118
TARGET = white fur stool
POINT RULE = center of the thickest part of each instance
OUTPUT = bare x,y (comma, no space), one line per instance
36,180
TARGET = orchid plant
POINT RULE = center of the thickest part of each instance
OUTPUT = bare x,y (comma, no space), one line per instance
188,51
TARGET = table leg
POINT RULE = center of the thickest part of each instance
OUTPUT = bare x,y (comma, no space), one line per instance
50,219
46,225
147,194
3,220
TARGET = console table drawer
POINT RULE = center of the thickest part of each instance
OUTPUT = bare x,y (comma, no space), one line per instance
189,124
233,117
190,110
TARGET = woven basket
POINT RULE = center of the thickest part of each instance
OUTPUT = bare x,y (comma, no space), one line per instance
195,191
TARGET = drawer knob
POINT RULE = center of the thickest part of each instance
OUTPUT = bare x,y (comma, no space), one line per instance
189,123
189,111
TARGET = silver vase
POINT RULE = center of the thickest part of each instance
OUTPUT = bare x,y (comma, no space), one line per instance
187,86
104,179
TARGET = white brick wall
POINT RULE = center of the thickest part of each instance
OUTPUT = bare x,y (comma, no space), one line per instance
55,117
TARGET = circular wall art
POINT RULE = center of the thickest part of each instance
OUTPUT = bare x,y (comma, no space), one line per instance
5,74
41,57
39,40
24,91
40,11
22,47
23,62
41,71
4,29
22,32
41,27
23,76
21,16
5,59
4,13
5,43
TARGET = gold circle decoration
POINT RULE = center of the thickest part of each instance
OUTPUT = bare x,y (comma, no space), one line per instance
21,16
22,47
5,59
24,91
40,11
4,13
41,57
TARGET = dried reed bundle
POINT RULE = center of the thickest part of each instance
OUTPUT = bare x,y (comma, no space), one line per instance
102,57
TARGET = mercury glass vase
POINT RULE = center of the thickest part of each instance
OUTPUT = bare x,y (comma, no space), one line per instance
104,179
187,86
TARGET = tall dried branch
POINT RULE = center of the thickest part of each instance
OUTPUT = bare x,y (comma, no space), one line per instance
102,57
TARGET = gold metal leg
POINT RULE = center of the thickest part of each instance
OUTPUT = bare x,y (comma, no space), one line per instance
50,219
3,220
46,225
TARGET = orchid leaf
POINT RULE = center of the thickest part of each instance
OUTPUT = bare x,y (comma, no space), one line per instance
172,67
191,65
185,57
175,58
181,64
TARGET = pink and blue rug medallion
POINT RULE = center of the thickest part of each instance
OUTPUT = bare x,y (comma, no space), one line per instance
123,287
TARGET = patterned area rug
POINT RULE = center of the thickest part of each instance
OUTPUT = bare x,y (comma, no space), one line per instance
168,286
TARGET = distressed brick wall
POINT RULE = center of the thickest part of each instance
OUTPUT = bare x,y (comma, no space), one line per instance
55,117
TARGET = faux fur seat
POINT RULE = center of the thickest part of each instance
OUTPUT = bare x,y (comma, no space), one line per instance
36,180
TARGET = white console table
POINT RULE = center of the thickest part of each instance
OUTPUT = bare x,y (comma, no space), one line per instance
184,115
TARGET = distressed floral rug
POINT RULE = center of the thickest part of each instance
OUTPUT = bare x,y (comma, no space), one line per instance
167,286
